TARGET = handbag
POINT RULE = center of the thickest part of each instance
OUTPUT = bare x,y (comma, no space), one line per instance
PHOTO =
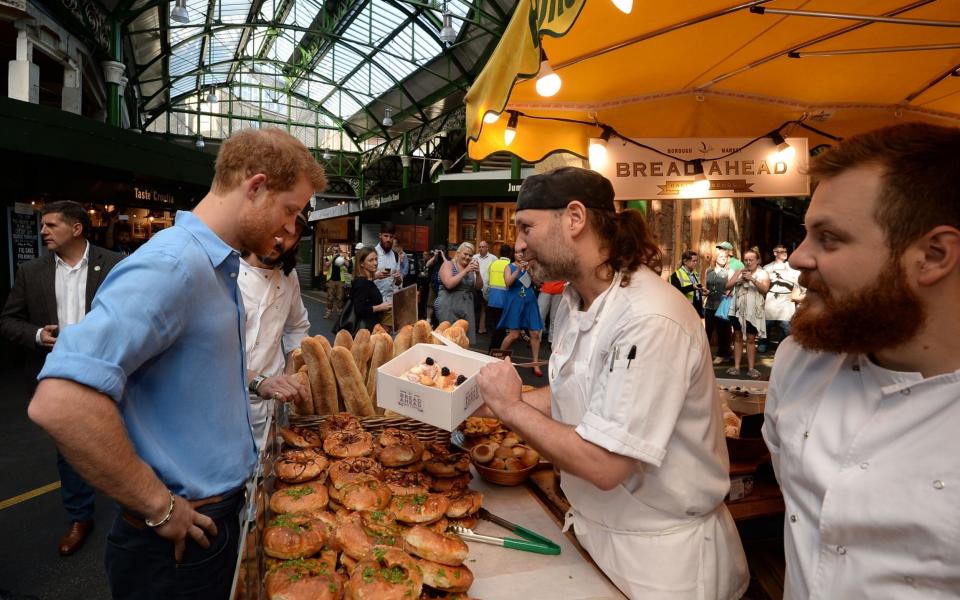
347,319
723,311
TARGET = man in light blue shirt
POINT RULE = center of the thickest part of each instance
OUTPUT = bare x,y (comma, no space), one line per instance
147,396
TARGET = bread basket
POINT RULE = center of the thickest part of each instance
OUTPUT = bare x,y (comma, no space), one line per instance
503,477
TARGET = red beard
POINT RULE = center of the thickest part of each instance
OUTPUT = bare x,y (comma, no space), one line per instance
884,315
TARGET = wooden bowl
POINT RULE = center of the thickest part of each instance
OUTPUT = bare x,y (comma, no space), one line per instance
503,477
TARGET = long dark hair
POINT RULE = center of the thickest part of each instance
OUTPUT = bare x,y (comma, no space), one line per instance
627,240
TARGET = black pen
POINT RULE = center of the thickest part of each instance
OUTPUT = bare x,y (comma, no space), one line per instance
631,355
613,358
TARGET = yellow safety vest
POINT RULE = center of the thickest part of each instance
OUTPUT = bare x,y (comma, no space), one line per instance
685,280
497,269
343,269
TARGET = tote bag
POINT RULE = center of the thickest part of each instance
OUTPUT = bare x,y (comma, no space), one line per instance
723,311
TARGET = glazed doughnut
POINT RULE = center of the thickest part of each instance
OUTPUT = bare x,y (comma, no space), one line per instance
309,496
343,421
380,524
349,470
449,465
444,548
296,466
469,522
348,444
445,577
293,536
419,508
352,538
445,484
309,579
463,502
365,495
385,574
300,437
403,483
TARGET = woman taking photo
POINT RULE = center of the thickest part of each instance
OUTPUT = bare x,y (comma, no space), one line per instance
749,286
366,298
521,311
459,281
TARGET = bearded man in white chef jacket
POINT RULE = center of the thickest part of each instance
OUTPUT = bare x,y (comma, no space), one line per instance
863,410
631,417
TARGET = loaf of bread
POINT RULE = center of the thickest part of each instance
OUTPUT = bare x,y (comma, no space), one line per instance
323,386
422,333
343,339
352,387
325,343
304,407
362,351
382,353
296,357
404,340
361,335
378,328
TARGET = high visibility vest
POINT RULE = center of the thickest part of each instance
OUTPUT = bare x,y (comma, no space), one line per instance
343,270
497,269
685,280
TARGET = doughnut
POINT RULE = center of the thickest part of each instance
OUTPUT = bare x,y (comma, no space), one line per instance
343,421
380,524
296,466
300,437
419,508
403,483
444,548
444,484
385,574
440,526
352,538
370,494
309,496
309,579
349,564
349,470
411,468
294,536
348,444
398,448
448,465
445,577
463,502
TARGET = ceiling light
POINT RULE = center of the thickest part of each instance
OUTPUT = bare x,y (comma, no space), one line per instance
199,143
548,83
448,35
511,131
327,155
598,150
387,118
784,150
491,117
625,6
179,12
212,97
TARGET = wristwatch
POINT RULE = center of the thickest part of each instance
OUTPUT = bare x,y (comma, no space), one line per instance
255,383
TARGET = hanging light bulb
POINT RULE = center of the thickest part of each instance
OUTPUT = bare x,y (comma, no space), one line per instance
327,155
701,184
179,12
511,131
625,6
448,35
199,143
212,97
491,117
387,117
598,149
785,151
548,83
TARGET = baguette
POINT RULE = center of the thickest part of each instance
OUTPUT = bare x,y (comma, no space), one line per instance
421,333
323,386
343,339
404,340
361,335
304,408
324,342
362,351
441,328
382,353
296,357
457,336
352,387
378,328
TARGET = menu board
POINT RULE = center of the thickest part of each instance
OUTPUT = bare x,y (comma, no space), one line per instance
23,231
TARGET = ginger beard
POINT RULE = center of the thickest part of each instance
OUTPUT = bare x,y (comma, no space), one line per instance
884,315
257,233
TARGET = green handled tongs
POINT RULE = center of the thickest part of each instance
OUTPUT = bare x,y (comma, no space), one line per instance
532,542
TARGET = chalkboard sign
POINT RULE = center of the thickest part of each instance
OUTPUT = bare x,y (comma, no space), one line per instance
23,231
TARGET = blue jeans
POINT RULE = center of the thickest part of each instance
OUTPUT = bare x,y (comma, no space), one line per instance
140,563
75,493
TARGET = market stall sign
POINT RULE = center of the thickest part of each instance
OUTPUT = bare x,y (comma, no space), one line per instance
334,229
24,235
757,170
153,195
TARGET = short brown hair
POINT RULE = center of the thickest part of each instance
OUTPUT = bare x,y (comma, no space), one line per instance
920,163
271,151
71,211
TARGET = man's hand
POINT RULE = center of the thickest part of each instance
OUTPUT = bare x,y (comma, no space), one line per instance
48,335
397,277
500,387
285,388
381,275
185,521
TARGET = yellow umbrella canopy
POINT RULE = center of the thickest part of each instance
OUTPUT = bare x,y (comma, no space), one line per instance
715,68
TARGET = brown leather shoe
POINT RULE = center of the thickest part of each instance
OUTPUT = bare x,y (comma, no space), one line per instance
73,539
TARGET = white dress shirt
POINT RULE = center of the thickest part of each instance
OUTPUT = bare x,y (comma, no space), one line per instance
70,288
867,461
778,305
484,262
386,260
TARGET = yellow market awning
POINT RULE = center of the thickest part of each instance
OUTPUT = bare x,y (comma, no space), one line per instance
716,68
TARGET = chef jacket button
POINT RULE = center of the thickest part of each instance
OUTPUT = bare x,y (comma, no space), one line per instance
864,465
806,434
856,367
905,391
841,550
233,275
793,518
938,484
908,580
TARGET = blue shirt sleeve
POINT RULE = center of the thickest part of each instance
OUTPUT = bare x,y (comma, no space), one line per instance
137,313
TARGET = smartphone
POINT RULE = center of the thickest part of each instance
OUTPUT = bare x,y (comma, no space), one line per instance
386,270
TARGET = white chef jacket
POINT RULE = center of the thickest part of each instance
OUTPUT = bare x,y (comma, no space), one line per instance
664,532
276,323
778,305
867,461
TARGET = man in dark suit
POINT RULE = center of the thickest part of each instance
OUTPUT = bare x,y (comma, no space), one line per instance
49,293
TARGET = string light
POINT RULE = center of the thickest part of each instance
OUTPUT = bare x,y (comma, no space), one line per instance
785,151
548,83
511,131
701,184
598,149
491,117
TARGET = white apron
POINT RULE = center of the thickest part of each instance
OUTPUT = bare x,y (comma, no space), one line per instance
649,554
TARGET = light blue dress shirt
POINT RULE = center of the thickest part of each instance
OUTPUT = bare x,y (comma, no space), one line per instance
164,339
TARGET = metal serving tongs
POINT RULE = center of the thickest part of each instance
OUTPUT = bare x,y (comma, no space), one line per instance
533,542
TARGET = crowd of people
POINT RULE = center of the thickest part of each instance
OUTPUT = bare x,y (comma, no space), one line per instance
860,414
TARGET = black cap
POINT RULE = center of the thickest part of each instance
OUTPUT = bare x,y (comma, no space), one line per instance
559,187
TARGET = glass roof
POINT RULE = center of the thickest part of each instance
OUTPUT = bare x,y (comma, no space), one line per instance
311,64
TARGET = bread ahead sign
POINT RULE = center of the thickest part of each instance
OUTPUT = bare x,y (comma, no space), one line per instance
732,169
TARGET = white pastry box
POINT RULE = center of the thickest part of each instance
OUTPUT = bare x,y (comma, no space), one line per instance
445,410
